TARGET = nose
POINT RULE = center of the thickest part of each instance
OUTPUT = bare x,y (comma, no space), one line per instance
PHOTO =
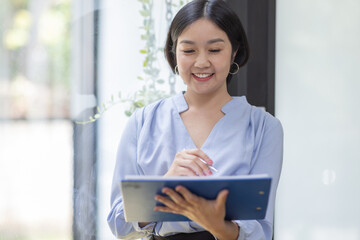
202,61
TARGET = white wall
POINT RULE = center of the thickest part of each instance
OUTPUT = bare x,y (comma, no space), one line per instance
318,102
118,58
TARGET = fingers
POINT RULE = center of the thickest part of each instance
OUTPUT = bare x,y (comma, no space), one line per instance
197,161
179,200
177,196
181,196
169,202
174,195
221,197
186,194
194,199
175,203
200,154
186,171
190,162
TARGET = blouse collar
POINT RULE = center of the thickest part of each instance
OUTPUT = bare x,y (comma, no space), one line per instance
182,105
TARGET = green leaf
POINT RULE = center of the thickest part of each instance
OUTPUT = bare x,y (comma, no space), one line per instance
139,78
143,51
104,106
138,104
128,113
98,109
144,13
97,116
146,62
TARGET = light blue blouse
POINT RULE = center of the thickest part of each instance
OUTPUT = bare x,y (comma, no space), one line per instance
246,140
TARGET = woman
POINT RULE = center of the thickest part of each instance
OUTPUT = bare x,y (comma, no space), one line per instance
202,127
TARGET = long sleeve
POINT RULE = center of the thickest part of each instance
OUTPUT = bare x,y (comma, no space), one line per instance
126,163
267,158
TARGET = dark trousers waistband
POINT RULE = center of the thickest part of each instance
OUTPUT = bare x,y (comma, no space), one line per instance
187,236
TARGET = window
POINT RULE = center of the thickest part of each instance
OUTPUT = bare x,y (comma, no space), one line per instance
36,132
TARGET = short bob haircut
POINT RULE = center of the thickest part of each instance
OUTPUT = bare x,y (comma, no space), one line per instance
222,15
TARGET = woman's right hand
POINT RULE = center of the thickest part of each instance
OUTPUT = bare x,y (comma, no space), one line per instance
189,162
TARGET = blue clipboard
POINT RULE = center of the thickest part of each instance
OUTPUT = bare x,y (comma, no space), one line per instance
248,195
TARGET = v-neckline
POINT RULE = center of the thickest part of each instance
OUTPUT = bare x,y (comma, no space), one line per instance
183,106
208,138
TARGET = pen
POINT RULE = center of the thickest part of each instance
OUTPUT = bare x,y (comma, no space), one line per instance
211,167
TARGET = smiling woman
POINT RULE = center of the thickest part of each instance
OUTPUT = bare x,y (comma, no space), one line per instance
204,55
204,126
222,19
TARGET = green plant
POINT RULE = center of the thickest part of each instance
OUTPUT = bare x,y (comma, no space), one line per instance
150,90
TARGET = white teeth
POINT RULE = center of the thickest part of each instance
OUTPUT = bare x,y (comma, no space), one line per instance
202,75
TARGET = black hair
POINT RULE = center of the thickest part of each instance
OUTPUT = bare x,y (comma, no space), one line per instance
222,15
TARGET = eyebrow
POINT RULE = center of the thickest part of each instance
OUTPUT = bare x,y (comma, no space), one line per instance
208,42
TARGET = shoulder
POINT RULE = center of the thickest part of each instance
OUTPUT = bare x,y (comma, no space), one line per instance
267,128
264,130
261,117
257,117
149,111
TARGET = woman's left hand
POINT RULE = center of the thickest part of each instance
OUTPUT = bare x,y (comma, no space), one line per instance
210,214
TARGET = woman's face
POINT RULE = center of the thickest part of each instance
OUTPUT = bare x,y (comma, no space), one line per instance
203,55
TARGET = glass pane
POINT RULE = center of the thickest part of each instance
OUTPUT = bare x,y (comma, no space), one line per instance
34,50
35,130
318,101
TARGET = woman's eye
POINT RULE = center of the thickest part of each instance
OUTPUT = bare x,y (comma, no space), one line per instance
189,51
214,50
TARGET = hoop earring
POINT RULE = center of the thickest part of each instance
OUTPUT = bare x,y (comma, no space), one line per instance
176,70
237,69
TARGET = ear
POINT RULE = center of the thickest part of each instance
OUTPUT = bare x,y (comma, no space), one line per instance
233,55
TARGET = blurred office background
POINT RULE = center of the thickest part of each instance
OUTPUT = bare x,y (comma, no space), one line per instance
35,125
59,59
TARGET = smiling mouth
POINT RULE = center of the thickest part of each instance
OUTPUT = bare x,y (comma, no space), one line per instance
202,76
